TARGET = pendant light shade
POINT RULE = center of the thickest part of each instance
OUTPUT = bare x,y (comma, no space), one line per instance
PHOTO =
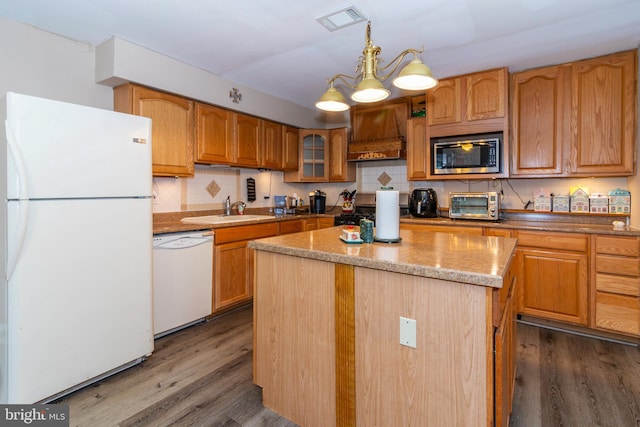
414,76
332,100
370,90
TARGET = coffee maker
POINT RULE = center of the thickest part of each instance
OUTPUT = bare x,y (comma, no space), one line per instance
317,201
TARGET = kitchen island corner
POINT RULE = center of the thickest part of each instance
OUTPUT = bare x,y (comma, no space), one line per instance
327,345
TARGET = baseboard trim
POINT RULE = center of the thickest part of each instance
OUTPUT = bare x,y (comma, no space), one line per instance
576,330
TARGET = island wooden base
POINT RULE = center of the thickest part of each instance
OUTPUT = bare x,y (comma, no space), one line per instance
327,348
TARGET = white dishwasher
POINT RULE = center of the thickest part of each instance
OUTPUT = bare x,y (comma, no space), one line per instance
182,280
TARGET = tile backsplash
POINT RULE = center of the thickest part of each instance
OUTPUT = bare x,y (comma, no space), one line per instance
179,194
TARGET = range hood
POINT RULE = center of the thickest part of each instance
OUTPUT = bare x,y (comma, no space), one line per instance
379,132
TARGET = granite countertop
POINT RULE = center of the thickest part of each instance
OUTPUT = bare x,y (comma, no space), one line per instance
588,224
171,222
536,223
476,260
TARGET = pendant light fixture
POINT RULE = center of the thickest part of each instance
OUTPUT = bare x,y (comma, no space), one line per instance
414,76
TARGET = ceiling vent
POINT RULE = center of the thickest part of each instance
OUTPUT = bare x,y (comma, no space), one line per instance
342,18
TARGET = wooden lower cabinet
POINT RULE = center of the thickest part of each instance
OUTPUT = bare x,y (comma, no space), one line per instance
475,231
554,285
316,223
232,263
293,226
325,222
498,232
616,275
572,278
505,346
310,224
554,269
231,283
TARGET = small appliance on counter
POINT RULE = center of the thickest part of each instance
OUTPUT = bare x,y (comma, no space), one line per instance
423,203
485,206
280,204
317,200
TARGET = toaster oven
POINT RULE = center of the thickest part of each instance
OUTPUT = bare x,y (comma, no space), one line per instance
484,206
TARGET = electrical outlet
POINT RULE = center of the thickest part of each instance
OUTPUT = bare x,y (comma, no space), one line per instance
408,332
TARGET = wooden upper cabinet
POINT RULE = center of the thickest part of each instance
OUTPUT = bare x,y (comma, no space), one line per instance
246,140
172,126
271,143
290,148
322,157
468,104
539,121
313,155
225,137
417,148
214,134
604,117
444,102
339,168
576,119
486,94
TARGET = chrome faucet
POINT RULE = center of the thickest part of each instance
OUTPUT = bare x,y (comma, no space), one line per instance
228,206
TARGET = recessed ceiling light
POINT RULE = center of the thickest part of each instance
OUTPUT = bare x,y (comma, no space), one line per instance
342,18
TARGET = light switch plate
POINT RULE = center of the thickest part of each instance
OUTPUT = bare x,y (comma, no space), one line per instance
408,332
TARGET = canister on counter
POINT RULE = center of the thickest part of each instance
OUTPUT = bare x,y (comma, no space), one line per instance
366,230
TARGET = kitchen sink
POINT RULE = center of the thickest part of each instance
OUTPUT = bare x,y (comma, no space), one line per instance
224,219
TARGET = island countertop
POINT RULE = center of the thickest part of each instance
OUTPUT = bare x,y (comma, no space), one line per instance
478,260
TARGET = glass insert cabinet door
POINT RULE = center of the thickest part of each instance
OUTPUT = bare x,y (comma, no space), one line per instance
314,153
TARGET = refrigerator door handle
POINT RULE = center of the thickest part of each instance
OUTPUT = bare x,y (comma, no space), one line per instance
23,199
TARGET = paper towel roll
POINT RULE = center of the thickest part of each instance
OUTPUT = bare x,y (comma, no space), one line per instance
388,215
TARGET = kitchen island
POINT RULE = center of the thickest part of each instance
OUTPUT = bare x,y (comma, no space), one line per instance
384,334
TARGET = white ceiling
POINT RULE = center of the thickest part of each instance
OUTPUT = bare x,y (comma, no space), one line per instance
276,46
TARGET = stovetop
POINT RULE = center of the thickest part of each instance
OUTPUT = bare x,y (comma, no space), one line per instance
365,207
353,218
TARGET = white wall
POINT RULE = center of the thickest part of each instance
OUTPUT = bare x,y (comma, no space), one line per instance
119,61
35,62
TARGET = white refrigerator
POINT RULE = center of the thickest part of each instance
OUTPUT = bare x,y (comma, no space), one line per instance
76,232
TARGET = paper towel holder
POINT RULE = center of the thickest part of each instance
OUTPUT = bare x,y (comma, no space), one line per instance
376,239
388,239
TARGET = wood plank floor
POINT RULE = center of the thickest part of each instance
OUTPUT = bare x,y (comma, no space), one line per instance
570,380
201,376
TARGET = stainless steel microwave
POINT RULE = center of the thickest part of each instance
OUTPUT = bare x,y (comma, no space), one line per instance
478,154
484,206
